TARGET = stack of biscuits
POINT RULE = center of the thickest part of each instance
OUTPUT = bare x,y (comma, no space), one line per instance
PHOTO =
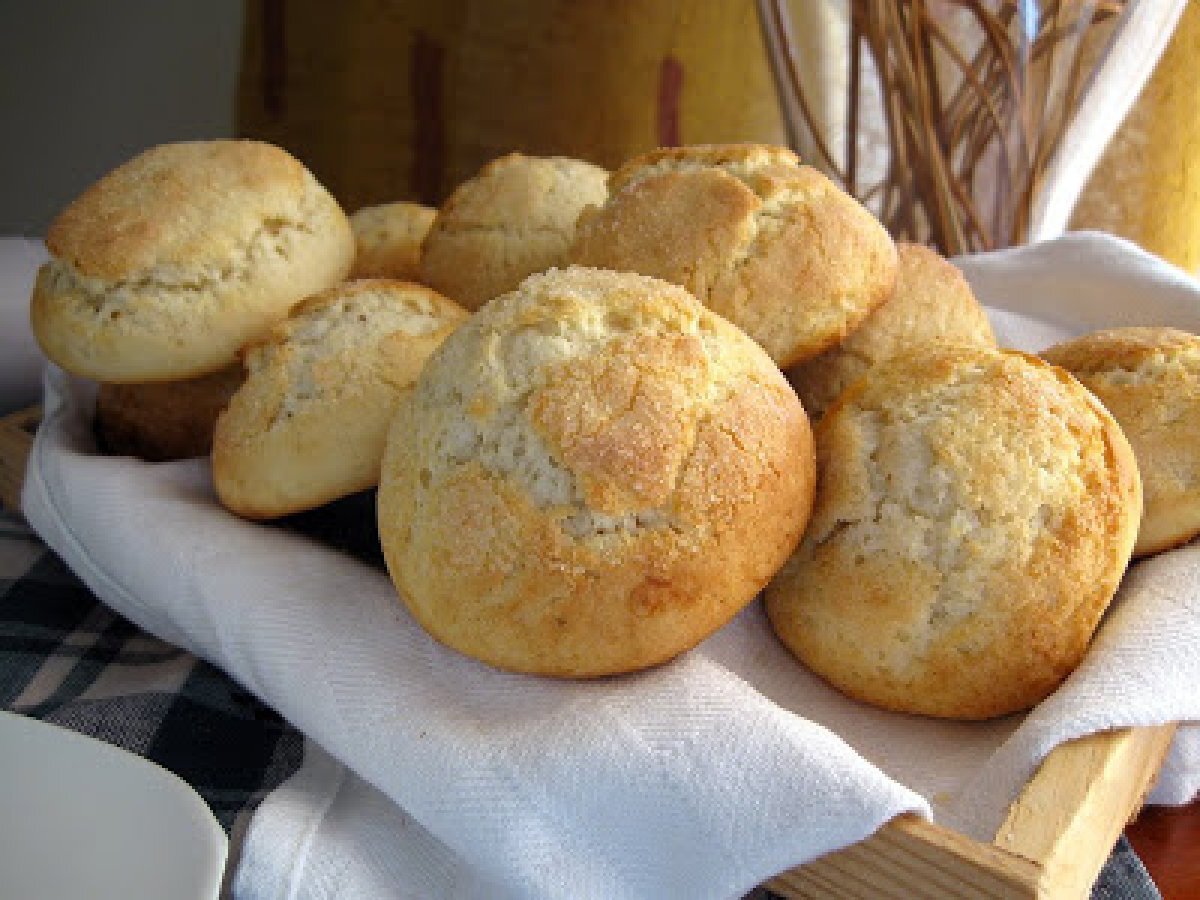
605,412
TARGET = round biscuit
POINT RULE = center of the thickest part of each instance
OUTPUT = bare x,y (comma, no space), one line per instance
591,476
165,267
308,425
773,246
160,421
975,512
931,302
1149,379
388,239
514,218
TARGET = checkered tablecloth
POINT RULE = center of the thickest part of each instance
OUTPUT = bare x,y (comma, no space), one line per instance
67,659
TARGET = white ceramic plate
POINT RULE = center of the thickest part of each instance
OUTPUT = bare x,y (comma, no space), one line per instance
82,818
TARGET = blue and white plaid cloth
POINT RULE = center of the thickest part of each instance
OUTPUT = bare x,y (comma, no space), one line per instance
67,659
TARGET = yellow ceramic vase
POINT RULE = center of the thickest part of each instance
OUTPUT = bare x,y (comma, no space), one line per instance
1147,186
403,101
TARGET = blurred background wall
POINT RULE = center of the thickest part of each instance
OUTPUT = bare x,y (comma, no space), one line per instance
86,85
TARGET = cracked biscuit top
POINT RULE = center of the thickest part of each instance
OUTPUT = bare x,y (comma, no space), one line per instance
514,218
309,423
975,512
1149,379
590,476
167,265
773,246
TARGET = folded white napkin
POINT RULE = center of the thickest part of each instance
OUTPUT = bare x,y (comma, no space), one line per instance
699,778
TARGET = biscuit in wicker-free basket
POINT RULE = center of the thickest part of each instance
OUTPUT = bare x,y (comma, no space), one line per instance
309,424
592,475
1149,379
773,246
975,512
164,420
514,218
165,267
388,238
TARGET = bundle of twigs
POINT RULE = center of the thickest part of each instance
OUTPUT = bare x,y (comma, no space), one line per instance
975,97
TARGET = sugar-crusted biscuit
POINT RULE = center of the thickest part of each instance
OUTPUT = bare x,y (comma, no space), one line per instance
161,421
773,246
388,240
1149,379
930,302
592,475
309,424
515,217
167,265
975,512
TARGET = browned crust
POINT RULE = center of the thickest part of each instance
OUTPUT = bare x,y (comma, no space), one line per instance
1149,379
514,218
170,263
931,302
674,426
388,240
163,206
309,424
975,513
777,249
1119,348
712,155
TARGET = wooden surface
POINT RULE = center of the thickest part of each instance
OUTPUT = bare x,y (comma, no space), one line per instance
1054,840
1167,840
16,437
910,857
1072,812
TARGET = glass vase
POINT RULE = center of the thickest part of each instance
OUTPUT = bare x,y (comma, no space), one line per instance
945,117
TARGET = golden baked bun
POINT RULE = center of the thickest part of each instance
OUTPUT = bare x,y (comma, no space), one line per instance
165,267
309,424
773,246
1149,379
387,240
514,218
975,512
164,420
931,302
591,476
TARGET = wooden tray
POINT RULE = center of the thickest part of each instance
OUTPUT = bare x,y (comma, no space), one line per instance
1053,842
16,438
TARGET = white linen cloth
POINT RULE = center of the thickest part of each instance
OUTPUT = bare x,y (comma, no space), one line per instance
442,777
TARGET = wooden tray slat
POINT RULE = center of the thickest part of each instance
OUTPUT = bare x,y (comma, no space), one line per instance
1052,844
1071,813
912,857
16,438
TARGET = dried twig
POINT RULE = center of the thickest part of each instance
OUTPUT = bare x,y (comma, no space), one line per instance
972,121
